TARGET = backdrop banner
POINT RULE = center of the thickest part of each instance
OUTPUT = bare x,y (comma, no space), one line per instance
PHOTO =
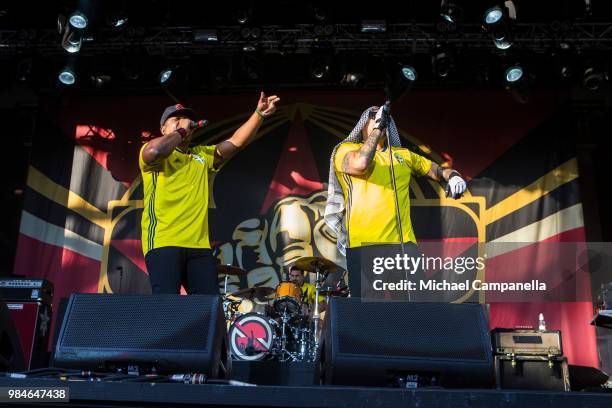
80,226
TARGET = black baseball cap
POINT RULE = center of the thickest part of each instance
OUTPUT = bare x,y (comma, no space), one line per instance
175,110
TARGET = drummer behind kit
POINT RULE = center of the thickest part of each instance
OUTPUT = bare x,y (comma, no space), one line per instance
280,329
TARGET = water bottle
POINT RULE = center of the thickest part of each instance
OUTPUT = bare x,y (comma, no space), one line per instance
541,322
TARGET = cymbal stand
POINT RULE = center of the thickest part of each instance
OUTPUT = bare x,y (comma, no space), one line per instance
316,315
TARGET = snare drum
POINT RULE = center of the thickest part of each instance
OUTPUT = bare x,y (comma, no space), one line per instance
288,297
251,337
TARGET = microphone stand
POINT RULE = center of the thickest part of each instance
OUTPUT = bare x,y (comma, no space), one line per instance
398,217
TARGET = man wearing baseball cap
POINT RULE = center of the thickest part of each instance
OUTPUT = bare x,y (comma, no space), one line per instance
175,237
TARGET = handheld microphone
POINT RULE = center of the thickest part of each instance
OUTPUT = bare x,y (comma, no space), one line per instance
197,124
387,108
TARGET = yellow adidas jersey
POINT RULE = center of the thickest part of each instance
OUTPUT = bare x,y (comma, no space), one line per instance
370,205
175,211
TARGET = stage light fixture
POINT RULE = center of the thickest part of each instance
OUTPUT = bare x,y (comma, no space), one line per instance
78,20
450,11
513,74
373,26
493,16
242,16
165,75
441,61
593,78
72,41
205,36
497,21
100,80
409,73
67,76
320,68
24,70
119,22
516,82
353,78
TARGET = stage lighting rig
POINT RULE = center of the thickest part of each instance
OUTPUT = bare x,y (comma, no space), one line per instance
442,61
593,77
67,76
373,26
451,12
71,30
497,21
78,20
409,73
516,82
165,75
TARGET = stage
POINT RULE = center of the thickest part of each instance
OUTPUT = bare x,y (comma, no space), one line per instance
130,394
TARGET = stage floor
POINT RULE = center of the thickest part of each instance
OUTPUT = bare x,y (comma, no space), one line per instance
131,394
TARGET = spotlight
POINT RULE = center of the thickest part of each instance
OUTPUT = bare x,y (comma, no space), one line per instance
100,80
24,70
78,20
319,14
165,75
409,73
514,74
242,16
205,36
352,78
593,78
442,61
71,31
497,22
373,26
67,76
450,11
400,77
320,68
493,16
516,82
118,21
72,41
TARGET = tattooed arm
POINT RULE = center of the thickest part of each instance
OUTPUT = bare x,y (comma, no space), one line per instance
357,162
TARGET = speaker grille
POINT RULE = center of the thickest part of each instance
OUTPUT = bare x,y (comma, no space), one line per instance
427,330
136,323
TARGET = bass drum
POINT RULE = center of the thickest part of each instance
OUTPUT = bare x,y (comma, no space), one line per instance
252,336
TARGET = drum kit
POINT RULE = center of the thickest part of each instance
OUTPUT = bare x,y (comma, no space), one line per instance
273,323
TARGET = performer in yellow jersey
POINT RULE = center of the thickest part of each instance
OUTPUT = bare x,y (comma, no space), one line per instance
175,178
361,204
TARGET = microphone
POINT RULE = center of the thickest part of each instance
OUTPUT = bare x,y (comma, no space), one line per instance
197,124
387,108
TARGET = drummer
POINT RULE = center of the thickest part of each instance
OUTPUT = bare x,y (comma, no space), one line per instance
308,291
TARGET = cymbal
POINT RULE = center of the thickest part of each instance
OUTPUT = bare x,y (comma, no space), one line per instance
230,270
310,263
257,292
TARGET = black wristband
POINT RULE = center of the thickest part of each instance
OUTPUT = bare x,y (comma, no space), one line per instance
440,174
453,174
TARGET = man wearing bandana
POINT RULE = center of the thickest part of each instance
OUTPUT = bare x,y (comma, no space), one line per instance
361,204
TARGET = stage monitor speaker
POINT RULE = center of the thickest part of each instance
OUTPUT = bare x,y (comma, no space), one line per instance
405,344
11,354
165,333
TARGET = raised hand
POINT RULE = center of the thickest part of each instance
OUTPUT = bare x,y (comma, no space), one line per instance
266,105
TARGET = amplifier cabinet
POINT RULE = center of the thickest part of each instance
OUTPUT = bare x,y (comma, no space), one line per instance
532,373
33,321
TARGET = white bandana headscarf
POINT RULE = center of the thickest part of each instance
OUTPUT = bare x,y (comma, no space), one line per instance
335,207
